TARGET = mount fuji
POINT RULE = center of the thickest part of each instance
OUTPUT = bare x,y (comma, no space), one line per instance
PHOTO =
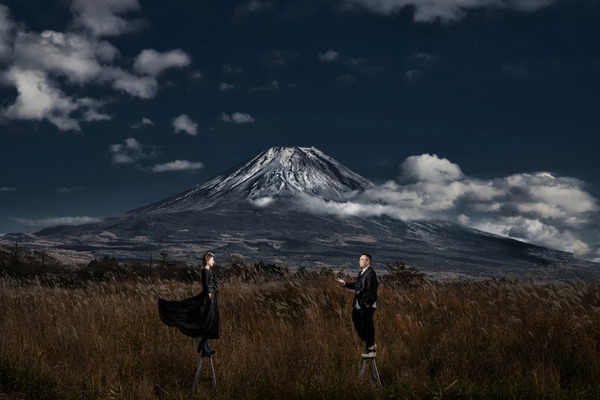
258,210
288,173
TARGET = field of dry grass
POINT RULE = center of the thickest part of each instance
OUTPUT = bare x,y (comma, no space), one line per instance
291,337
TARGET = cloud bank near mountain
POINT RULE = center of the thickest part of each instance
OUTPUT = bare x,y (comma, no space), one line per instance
538,208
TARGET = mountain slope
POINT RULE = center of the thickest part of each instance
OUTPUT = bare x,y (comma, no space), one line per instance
252,211
277,172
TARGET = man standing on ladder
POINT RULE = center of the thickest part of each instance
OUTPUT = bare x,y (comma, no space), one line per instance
364,304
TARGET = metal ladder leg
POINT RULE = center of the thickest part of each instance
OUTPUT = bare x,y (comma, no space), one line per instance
374,370
363,365
214,376
199,369
197,374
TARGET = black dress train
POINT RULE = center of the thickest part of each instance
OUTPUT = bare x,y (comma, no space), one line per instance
197,316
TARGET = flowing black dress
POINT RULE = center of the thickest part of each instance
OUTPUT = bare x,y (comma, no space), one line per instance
197,316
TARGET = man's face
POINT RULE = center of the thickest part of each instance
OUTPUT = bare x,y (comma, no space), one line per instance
364,262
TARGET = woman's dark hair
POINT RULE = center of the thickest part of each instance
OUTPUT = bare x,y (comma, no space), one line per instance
206,257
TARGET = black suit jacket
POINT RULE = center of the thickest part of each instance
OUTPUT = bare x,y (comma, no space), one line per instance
365,288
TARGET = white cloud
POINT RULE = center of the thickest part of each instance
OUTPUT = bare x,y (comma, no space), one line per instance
63,54
356,207
81,60
580,248
103,17
35,94
597,255
532,231
64,190
153,63
237,118
329,55
269,87
143,122
177,165
225,86
49,69
131,152
91,115
430,168
549,195
262,201
412,75
38,64
56,221
144,87
445,10
183,123
8,189
538,208
39,99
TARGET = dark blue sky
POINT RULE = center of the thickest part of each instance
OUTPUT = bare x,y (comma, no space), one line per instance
106,106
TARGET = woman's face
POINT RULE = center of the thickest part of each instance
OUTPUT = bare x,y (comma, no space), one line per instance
210,262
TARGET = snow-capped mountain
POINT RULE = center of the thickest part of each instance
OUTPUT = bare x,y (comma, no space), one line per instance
278,172
252,211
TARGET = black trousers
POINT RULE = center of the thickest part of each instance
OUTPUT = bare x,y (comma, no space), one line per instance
362,318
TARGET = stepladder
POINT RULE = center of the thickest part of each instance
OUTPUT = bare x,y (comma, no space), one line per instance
199,371
364,362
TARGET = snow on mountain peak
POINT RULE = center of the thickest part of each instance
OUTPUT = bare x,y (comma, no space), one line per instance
275,173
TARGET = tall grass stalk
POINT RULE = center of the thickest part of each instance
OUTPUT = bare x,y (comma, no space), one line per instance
292,337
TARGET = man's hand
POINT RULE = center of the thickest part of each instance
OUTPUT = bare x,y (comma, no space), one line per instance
343,282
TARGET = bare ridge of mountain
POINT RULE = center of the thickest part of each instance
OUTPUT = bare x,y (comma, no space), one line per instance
278,172
252,211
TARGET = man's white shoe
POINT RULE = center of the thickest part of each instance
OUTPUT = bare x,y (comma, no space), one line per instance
369,354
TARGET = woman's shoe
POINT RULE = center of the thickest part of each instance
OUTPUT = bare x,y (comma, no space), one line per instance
210,348
204,350
207,353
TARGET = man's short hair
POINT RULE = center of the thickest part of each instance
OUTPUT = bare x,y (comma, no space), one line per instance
367,255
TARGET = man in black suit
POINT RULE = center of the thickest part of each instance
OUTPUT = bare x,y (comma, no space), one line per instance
364,303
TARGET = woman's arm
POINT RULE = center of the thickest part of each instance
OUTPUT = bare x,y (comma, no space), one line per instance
206,275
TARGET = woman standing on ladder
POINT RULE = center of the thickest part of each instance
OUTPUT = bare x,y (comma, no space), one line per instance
197,316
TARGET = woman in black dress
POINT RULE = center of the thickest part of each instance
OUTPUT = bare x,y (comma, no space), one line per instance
197,316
